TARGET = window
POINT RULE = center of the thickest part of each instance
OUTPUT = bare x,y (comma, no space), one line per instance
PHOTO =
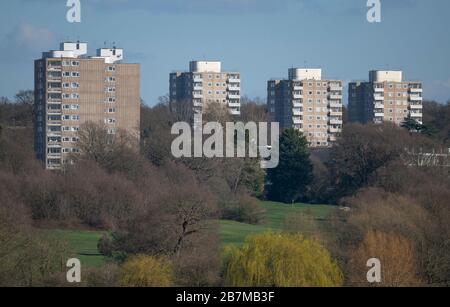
111,68
75,74
75,85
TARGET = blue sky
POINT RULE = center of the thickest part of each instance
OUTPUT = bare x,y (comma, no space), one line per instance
259,38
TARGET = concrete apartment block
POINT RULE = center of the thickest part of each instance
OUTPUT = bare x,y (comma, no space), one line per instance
386,97
72,88
308,103
206,83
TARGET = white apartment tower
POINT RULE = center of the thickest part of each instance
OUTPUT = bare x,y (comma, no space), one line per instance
72,88
308,103
206,83
385,98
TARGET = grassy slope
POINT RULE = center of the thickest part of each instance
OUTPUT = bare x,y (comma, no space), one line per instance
235,233
84,243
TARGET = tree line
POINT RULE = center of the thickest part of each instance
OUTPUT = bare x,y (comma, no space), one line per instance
161,213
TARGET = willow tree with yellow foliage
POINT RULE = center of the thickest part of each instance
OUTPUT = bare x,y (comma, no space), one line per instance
280,260
146,271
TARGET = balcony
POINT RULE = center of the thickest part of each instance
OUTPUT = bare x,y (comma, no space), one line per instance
298,88
416,106
332,138
54,112
234,87
56,90
415,98
197,96
297,112
234,96
54,145
54,79
335,113
296,121
378,97
335,104
198,104
377,114
335,87
379,89
334,130
198,79
234,104
198,87
335,97
416,90
416,114
53,155
335,121
379,106
235,112
297,96
234,80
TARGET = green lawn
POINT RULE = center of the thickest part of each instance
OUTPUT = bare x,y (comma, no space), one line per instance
84,243
275,215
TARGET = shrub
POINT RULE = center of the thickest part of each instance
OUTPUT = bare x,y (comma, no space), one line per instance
397,257
245,209
146,271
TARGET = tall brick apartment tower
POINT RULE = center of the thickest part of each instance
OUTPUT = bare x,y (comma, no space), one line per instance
72,88
386,97
206,83
309,103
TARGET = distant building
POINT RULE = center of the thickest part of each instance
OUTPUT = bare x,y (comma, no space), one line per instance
385,98
72,88
308,103
206,83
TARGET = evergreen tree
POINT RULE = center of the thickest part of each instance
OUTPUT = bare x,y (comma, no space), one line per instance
411,124
289,181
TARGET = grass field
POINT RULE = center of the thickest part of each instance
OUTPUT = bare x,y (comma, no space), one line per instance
84,243
275,215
